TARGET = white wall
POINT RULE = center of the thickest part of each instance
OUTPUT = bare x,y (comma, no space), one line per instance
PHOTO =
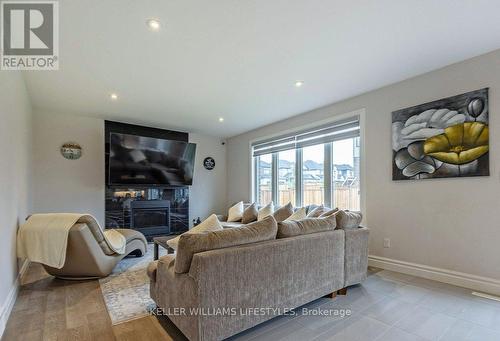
208,193
15,187
452,224
62,185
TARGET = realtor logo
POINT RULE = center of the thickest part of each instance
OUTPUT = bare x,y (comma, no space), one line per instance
29,35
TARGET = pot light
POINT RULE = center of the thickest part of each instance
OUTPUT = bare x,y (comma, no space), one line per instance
298,84
221,119
153,24
113,96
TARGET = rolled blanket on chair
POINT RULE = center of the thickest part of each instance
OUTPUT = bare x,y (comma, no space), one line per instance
44,237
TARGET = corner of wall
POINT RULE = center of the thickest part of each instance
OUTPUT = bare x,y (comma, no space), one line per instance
16,178
8,304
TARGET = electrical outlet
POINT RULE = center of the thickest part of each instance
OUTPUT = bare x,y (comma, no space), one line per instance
387,242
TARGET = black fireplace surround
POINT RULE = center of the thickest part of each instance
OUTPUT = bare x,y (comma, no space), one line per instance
152,210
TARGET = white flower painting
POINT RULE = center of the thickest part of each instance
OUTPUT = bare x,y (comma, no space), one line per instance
444,138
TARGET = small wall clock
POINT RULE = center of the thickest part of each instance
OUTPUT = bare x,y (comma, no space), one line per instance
209,163
71,151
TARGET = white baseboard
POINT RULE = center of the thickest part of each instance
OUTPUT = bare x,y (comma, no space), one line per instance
461,279
11,298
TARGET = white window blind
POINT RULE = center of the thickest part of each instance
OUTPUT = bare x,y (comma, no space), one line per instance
326,133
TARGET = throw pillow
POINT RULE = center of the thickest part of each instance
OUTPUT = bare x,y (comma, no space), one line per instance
209,224
329,213
348,219
305,226
283,212
250,214
297,215
235,212
310,208
315,213
265,211
192,243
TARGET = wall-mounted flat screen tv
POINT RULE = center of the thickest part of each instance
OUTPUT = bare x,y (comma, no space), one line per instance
140,160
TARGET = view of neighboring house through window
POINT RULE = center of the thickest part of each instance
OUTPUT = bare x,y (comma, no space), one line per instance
264,178
345,174
286,177
313,175
319,166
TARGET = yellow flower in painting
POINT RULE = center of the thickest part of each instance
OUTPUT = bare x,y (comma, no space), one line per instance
460,144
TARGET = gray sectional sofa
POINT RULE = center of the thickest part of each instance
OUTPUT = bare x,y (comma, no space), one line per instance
217,296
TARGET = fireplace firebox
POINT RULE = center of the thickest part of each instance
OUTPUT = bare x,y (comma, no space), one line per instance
150,217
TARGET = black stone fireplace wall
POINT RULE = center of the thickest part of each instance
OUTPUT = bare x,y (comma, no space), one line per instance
152,211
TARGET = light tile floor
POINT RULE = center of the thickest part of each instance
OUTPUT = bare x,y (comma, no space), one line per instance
390,306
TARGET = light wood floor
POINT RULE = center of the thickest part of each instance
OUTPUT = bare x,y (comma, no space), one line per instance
53,309
386,306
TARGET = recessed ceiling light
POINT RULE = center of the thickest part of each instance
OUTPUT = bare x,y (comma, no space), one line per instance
221,119
153,24
298,84
113,96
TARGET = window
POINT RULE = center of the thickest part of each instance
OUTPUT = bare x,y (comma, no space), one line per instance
314,166
263,167
313,175
345,174
286,177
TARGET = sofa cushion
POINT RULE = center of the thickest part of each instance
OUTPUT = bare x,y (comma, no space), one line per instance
250,214
315,213
232,224
310,208
235,212
300,213
221,217
329,212
265,211
294,228
283,212
348,219
190,244
209,224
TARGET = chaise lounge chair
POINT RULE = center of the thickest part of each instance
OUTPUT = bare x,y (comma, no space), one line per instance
88,254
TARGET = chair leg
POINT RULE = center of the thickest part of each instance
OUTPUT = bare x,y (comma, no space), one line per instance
331,295
155,251
342,291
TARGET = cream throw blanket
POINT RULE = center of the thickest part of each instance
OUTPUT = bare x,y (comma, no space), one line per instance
44,237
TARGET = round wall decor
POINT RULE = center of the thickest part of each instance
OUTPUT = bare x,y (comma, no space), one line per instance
71,151
209,163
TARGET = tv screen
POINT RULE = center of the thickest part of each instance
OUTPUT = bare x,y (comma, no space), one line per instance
140,160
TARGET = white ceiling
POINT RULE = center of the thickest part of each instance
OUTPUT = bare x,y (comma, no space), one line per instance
240,59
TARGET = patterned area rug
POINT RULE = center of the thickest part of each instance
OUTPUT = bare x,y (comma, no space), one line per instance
126,290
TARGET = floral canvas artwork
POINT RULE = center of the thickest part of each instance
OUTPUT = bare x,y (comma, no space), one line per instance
442,139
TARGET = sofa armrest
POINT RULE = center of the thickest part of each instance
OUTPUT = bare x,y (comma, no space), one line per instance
175,294
151,270
153,266
356,255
